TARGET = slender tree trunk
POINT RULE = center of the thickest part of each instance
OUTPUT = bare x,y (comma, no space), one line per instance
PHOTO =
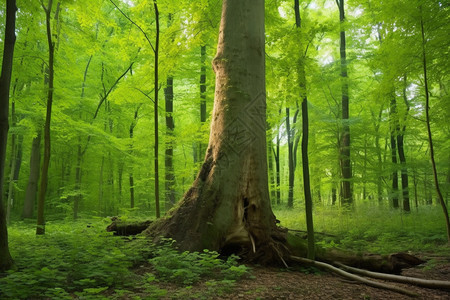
35,162
156,88
168,158
40,228
401,154
305,140
430,138
277,169
291,167
6,261
272,185
344,150
394,126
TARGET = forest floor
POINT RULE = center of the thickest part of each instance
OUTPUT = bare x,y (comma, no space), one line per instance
277,283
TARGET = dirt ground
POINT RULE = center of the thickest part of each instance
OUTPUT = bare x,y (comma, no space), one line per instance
276,283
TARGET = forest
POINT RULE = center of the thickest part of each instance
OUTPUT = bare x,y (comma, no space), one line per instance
156,149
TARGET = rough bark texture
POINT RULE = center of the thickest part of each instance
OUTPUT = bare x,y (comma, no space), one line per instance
228,207
5,81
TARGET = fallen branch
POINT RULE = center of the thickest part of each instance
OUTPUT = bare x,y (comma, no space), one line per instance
353,276
433,284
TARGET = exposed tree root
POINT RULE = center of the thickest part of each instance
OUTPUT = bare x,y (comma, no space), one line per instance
353,276
433,284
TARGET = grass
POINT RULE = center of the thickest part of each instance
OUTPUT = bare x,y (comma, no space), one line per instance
374,229
81,260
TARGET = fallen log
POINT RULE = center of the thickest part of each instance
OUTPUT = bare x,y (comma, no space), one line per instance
433,284
354,277
392,263
126,228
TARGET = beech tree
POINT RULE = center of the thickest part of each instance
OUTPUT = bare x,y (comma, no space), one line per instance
228,204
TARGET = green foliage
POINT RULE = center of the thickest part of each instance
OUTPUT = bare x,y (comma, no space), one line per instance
70,257
190,267
374,229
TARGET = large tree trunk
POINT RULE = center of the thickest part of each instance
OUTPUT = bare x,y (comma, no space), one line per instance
35,162
5,81
228,206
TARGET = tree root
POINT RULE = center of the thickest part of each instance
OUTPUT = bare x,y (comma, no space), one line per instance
353,276
433,284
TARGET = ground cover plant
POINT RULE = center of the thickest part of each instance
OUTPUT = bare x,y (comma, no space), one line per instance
80,259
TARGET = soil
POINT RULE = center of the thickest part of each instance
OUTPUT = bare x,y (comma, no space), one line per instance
277,283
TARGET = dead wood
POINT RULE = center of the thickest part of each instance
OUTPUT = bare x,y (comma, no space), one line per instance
125,228
392,263
351,276
433,284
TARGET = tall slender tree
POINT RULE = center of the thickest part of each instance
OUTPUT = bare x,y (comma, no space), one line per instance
6,260
427,115
305,139
344,142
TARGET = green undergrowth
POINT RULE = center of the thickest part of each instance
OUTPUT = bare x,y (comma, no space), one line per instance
81,260
373,229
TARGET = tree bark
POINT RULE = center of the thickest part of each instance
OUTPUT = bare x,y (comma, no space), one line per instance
156,88
228,206
291,165
40,228
305,138
35,162
6,260
430,138
393,133
168,158
401,153
344,145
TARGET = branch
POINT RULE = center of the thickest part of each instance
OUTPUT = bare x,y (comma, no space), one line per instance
352,276
132,22
433,284
110,90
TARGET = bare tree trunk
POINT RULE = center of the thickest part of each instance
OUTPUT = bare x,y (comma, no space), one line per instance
6,261
228,205
277,169
35,162
168,158
344,149
40,228
156,88
401,153
394,132
430,138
